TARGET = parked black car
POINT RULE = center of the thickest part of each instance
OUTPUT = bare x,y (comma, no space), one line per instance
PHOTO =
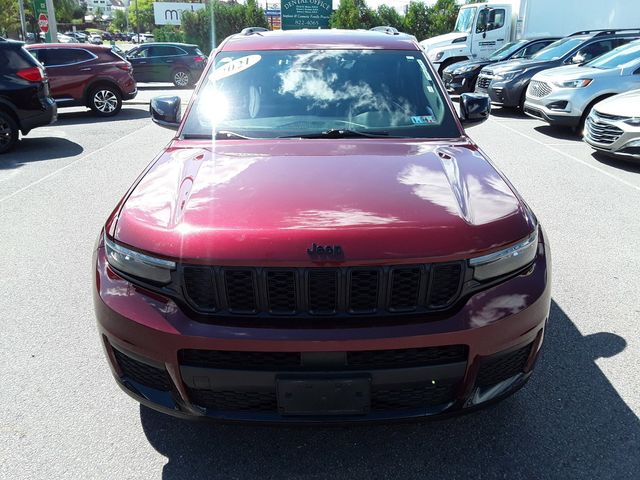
179,63
507,82
461,77
25,102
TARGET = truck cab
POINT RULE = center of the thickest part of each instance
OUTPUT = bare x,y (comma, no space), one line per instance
480,29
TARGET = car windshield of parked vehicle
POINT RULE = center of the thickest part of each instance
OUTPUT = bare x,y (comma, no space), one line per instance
465,20
618,57
304,93
557,49
504,52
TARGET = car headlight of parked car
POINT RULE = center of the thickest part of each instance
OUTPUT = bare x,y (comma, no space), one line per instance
138,264
508,75
633,121
505,261
580,83
465,69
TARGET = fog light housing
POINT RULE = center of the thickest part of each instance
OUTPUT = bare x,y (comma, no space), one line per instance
560,105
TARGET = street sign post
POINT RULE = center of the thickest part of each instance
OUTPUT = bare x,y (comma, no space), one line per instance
297,14
45,14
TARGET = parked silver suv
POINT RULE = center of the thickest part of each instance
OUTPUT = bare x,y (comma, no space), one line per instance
565,95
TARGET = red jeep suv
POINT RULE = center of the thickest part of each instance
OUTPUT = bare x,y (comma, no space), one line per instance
86,75
321,242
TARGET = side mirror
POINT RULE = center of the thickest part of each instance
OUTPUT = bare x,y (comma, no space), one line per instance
165,111
474,108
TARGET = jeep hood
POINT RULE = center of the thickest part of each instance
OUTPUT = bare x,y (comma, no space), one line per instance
266,202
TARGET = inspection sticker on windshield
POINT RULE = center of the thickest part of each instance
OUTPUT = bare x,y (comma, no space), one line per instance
423,119
236,66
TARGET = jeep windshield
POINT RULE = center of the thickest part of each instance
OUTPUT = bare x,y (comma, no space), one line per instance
318,94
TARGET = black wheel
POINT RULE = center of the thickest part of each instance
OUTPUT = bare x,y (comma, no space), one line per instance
8,132
105,100
181,78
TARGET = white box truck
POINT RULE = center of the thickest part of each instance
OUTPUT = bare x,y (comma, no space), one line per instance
482,28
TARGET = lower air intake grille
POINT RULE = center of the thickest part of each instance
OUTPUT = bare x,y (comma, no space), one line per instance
142,373
234,400
500,367
413,396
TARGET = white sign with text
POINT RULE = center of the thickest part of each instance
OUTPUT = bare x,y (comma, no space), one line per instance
170,13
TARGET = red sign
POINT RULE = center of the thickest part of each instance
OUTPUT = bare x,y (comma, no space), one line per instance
43,22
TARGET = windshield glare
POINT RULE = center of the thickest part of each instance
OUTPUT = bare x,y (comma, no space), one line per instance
465,20
277,93
506,50
557,49
618,58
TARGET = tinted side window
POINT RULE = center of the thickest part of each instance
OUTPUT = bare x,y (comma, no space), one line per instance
164,50
534,48
66,56
139,53
12,59
595,49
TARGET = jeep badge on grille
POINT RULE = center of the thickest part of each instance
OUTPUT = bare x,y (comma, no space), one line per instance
325,251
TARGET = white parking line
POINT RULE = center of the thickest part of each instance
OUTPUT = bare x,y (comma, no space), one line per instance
571,157
70,164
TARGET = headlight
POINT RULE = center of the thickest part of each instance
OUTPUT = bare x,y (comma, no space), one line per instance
634,121
505,261
138,264
434,57
582,82
508,75
465,69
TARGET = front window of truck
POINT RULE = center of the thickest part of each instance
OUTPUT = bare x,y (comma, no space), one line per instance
320,93
464,21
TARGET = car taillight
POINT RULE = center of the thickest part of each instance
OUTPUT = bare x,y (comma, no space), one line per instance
124,66
199,59
33,74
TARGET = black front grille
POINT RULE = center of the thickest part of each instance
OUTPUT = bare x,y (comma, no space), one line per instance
355,360
235,400
142,373
323,291
500,367
483,82
413,396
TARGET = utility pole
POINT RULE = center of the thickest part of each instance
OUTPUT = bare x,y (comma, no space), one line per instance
22,22
137,21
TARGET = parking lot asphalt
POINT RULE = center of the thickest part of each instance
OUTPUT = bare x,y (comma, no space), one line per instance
62,416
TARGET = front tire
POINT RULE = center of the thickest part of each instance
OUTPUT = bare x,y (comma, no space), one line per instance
105,101
181,78
8,132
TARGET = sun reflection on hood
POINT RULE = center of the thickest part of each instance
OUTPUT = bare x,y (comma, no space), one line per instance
320,219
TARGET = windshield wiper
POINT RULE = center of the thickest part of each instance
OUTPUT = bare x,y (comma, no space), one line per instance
339,133
220,135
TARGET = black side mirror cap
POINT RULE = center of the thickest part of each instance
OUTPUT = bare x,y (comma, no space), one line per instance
474,108
166,111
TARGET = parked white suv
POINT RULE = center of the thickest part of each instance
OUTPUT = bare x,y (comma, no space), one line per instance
613,126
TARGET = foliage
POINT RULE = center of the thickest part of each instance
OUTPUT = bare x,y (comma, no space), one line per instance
389,16
64,9
144,16
230,17
354,14
442,17
119,21
168,33
9,18
417,19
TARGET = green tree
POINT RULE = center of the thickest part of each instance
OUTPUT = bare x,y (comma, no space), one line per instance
168,33
9,18
416,20
64,10
388,16
145,15
354,14
442,17
119,20
97,13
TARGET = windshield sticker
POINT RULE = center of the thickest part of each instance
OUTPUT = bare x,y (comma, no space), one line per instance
236,66
423,119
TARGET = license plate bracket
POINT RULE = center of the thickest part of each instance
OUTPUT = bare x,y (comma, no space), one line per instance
324,396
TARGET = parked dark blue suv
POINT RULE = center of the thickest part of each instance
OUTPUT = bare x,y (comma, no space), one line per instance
178,63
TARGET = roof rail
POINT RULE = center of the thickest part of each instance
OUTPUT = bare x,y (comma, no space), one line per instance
252,30
605,31
385,29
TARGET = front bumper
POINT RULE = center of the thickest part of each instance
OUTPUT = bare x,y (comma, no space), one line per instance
562,107
502,93
482,352
457,84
